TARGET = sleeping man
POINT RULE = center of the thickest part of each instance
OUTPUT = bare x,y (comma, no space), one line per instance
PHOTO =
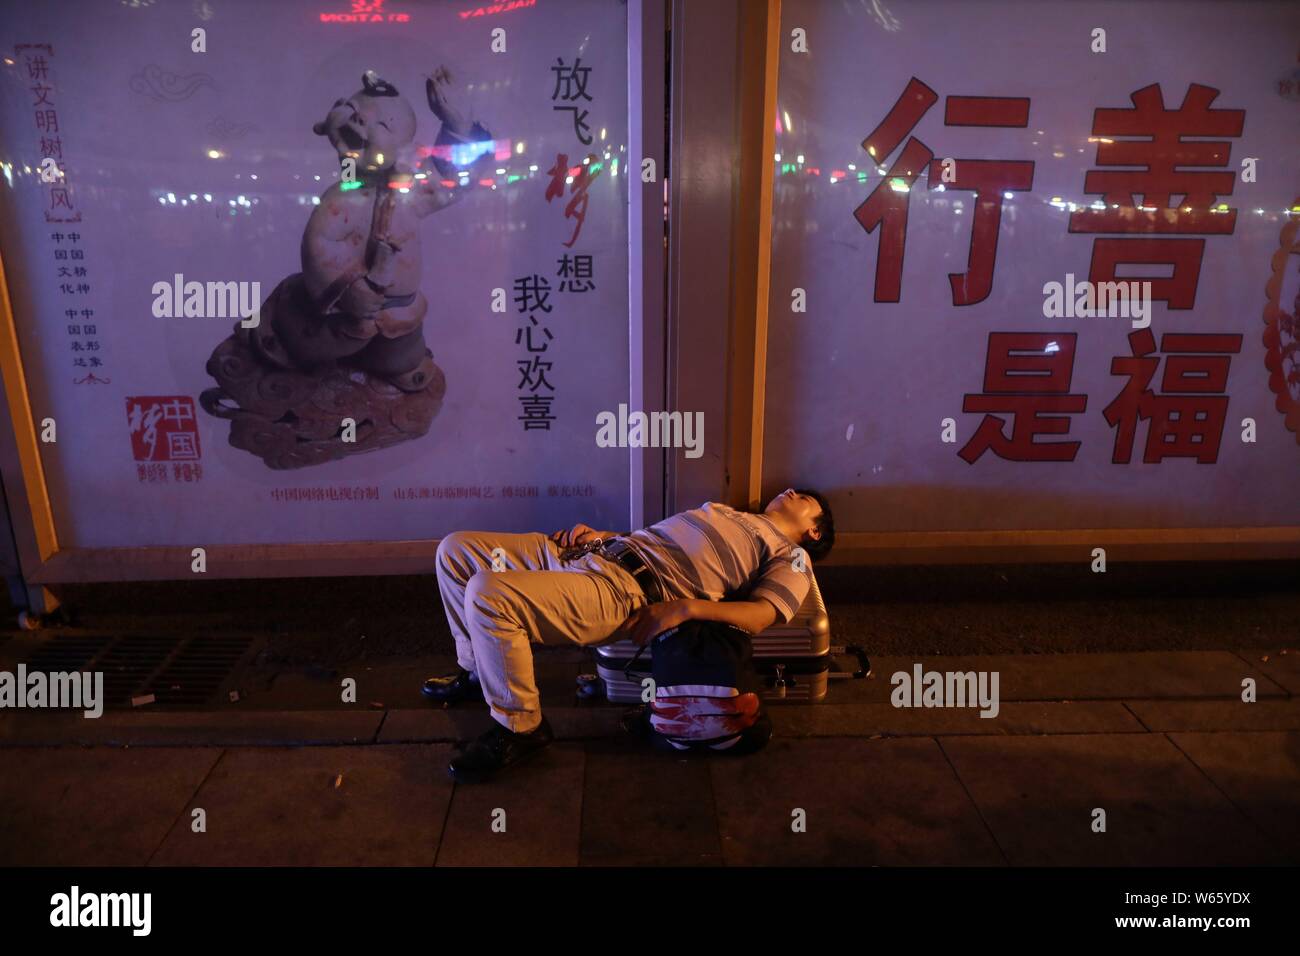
502,592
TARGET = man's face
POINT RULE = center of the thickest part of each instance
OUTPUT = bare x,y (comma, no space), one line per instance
799,510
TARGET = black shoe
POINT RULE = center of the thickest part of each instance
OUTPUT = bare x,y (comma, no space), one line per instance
497,749
462,685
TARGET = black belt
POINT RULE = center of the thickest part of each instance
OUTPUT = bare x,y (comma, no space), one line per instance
623,553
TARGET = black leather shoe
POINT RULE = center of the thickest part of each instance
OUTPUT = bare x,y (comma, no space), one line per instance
497,749
462,685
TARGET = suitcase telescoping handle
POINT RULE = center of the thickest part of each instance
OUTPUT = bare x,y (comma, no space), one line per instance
864,662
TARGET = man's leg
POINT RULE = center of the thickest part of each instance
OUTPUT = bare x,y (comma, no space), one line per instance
462,554
506,610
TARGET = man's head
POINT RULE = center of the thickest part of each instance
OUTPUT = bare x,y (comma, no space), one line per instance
804,516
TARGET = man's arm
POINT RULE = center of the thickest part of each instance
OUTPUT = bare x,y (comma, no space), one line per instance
644,623
579,534
753,616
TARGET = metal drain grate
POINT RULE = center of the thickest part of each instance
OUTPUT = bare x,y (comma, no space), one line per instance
176,670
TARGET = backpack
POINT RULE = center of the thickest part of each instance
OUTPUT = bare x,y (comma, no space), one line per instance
703,679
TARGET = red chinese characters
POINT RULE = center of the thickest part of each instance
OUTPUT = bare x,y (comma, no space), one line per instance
990,180
1027,376
1168,170
1186,417
163,428
579,179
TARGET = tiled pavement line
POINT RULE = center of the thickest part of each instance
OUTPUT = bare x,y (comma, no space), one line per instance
966,790
1215,784
1135,716
185,803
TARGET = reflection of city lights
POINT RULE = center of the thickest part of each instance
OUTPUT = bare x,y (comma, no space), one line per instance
799,159
519,147
1008,195
532,169
789,128
171,197
898,185
214,154
1051,347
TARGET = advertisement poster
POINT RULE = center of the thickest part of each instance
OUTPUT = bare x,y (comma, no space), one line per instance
372,286
956,182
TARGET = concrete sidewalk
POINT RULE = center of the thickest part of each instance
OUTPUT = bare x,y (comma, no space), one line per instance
1186,773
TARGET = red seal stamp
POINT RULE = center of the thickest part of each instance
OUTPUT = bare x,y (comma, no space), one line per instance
1282,323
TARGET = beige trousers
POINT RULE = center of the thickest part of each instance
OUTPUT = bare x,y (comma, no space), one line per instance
495,615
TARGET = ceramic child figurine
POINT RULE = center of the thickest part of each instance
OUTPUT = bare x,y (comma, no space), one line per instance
356,311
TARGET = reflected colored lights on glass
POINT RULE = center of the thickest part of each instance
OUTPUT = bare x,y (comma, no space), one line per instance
214,154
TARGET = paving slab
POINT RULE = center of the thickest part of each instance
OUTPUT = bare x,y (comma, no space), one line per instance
1038,795
539,803
1282,665
1260,773
645,808
867,803
1033,717
1170,715
71,806
464,721
1145,674
190,728
282,807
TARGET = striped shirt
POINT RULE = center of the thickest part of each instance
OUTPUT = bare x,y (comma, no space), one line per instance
717,553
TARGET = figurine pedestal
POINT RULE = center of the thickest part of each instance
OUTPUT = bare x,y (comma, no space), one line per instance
294,419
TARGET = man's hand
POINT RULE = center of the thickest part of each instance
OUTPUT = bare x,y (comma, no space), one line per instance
646,622
579,534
